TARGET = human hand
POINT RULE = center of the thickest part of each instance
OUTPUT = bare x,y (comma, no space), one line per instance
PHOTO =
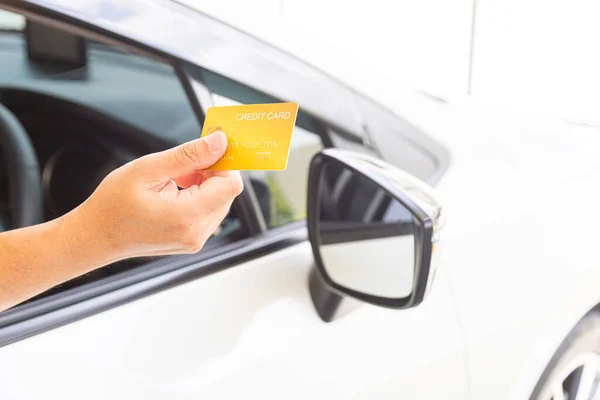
138,210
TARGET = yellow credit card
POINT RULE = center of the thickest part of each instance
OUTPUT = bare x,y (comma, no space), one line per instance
259,135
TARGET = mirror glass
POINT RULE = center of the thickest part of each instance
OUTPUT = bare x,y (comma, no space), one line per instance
366,236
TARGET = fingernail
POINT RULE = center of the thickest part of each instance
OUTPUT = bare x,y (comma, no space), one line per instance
217,142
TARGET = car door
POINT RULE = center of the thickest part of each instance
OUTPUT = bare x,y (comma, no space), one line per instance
238,319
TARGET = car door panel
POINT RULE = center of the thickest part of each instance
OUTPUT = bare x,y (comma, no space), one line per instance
248,330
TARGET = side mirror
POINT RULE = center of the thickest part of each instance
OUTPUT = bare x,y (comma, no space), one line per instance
372,228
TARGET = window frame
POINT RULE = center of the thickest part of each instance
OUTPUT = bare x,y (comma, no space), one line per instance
18,322
62,308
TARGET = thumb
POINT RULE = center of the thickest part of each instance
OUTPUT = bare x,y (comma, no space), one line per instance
187,158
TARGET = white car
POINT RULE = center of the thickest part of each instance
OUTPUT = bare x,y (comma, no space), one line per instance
343,276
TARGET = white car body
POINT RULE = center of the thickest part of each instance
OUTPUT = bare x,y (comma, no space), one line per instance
517,272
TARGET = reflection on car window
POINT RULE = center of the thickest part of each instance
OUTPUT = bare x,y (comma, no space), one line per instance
136,90
11,22
281,194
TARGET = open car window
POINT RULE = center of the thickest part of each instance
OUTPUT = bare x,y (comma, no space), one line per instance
88,116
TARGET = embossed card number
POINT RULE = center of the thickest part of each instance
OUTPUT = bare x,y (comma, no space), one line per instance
258,135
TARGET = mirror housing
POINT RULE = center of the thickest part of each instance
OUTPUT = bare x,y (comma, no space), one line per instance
372,229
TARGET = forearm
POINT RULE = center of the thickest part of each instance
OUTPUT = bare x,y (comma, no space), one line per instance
39,257
137,210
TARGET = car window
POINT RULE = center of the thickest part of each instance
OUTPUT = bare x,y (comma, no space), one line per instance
89,107
281,194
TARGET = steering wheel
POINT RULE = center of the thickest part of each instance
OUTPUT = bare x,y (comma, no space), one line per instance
20,160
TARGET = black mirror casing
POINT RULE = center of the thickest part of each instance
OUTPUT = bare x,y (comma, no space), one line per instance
414,195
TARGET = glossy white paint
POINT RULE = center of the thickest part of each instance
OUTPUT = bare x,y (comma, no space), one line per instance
521,247
250,331
520,238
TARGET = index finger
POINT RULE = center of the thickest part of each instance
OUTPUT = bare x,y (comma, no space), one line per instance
219,188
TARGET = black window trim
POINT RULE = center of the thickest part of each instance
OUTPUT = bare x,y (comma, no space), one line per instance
57,310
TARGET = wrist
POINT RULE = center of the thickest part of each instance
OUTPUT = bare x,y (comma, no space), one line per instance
85,242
